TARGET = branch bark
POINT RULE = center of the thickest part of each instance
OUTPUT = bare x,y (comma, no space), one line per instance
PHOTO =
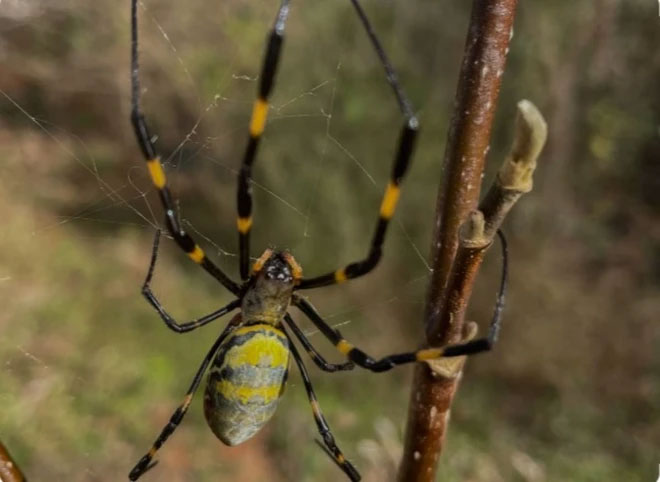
433,389
9,471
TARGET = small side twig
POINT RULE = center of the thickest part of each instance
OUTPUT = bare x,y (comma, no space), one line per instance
513,179
477,233
515,175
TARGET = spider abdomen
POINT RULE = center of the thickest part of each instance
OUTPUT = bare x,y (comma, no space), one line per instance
246,381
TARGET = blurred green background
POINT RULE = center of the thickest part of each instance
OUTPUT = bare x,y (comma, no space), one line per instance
89,372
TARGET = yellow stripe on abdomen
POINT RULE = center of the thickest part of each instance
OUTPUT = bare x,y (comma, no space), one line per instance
244,394
262,351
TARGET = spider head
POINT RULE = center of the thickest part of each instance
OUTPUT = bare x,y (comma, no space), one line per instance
277,266
274,276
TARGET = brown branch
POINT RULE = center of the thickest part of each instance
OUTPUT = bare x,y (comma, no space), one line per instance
513,180
468,140
476,235
9,471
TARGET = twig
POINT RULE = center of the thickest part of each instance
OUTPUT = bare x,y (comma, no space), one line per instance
477,233
9,471
515,175
450,288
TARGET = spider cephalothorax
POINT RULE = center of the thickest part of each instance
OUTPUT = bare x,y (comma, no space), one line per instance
269,289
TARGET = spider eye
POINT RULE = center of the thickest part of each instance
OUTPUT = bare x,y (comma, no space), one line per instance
279,270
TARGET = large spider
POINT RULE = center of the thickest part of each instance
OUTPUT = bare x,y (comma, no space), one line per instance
249,360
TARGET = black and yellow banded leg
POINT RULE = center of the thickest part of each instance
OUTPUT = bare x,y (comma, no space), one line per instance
257,125
401,162
145,462
329,444
387,208
390,74
171,323
362,359
316,357
157,174
486,343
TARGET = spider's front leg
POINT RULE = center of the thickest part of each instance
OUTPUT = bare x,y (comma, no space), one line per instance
362,359
185,242
257,125
401,162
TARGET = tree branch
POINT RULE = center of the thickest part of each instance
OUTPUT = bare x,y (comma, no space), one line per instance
450,287
9,471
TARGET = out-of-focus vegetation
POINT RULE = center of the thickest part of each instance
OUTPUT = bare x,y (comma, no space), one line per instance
90,374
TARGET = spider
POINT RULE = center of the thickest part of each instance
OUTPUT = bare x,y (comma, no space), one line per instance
250,358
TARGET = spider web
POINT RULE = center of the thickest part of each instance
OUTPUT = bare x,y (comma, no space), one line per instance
299,202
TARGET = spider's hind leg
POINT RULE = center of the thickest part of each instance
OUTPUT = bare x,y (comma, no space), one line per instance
147,461
329,444
155,168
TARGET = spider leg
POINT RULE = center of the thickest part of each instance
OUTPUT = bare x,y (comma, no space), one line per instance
171,323
145,462
362,359
329,444
486,343
183,239
316,357
405,148
390,74
257,124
